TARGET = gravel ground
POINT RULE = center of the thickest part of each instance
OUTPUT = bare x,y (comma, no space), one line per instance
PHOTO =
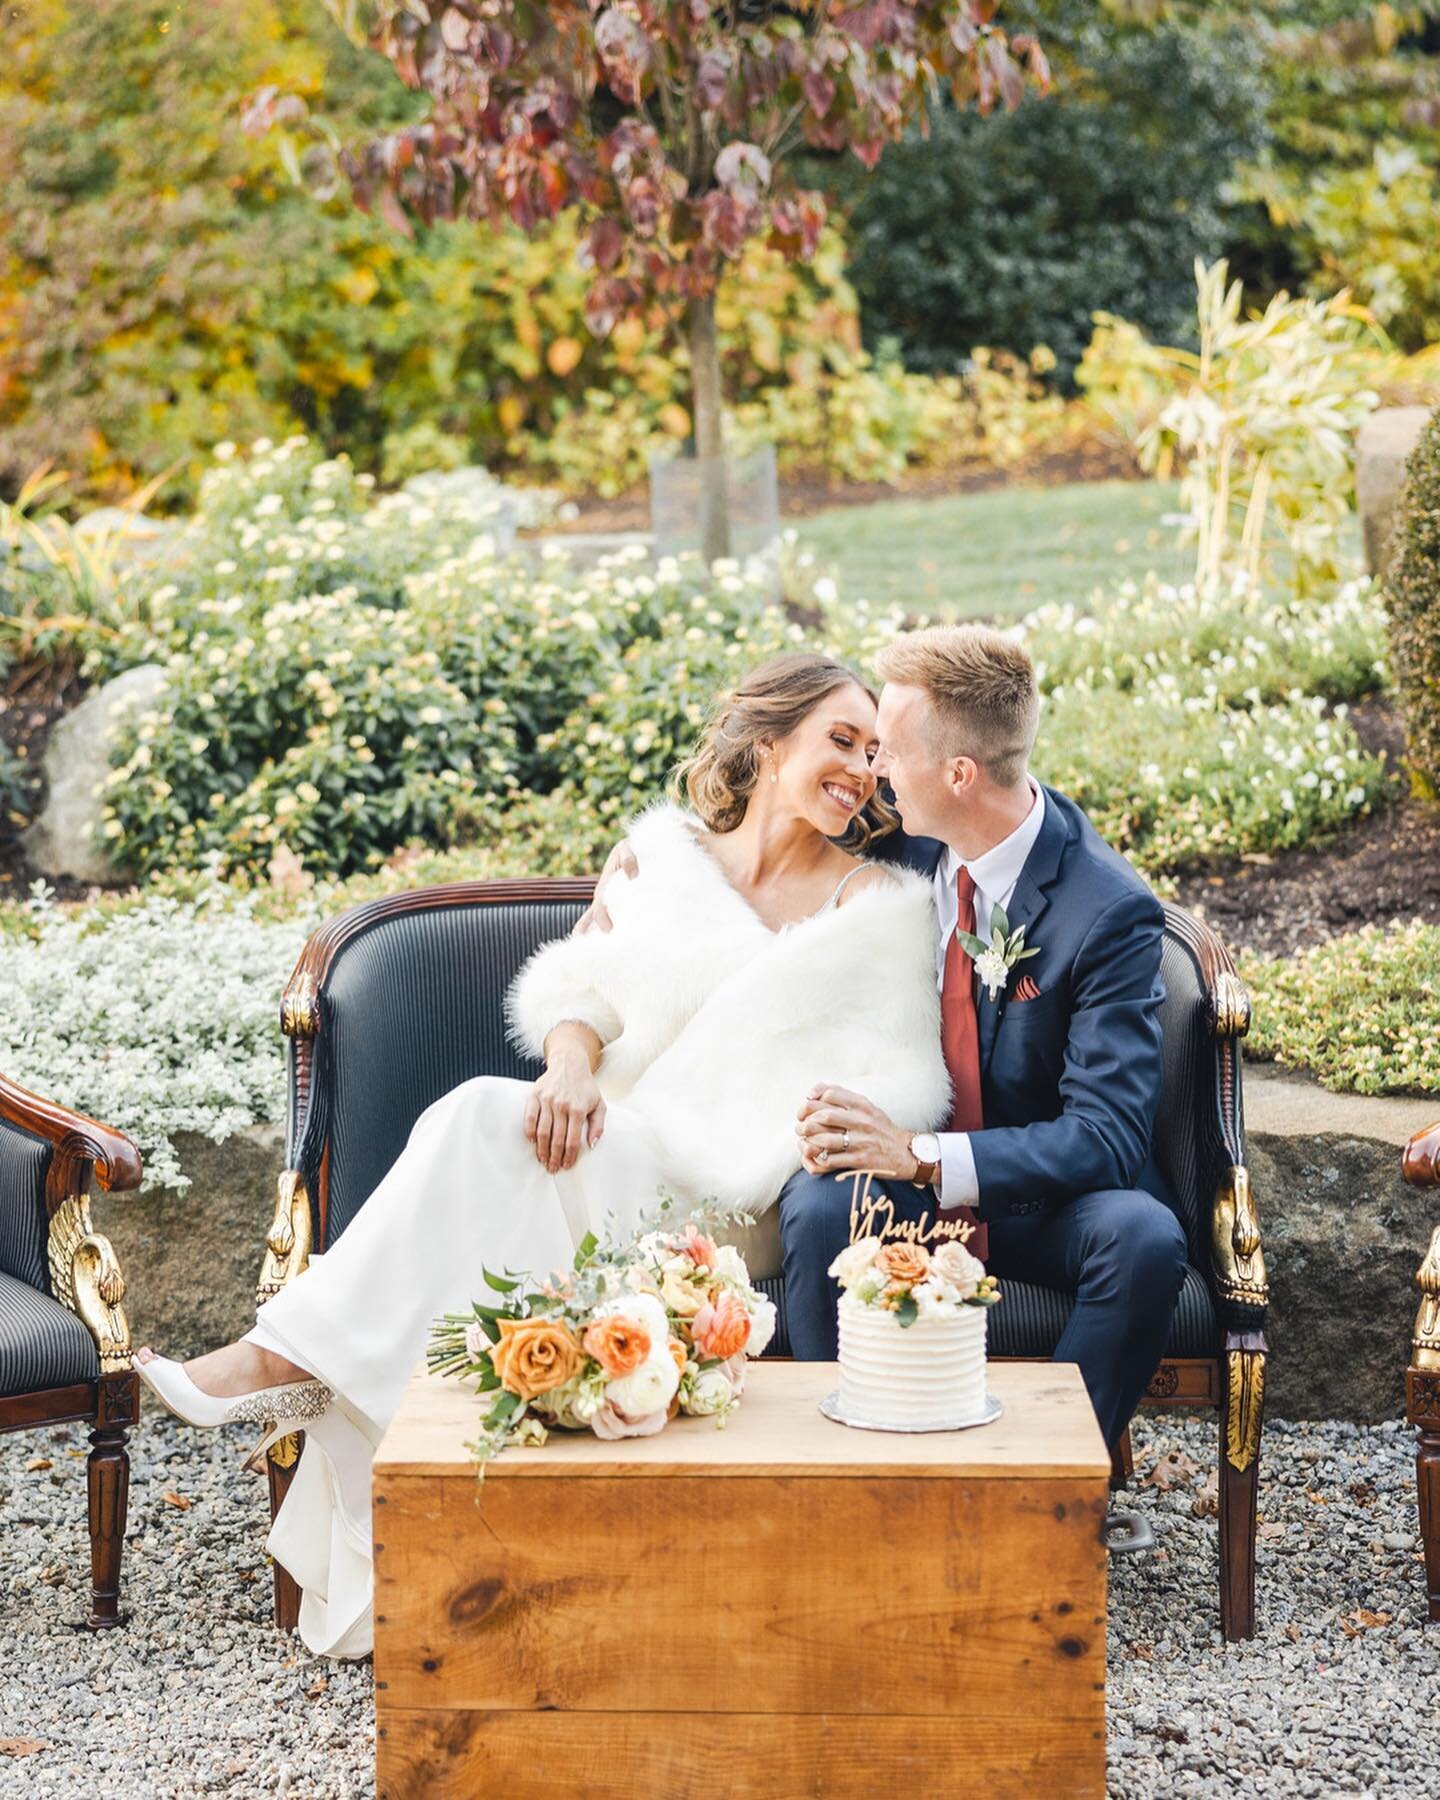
1338,1695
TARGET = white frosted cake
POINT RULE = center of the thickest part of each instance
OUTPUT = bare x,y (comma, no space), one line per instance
930,1372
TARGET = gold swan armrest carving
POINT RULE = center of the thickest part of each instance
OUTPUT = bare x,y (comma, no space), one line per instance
85,1276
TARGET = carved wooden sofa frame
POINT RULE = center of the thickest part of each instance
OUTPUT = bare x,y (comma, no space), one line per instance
1232,1379
84,1276
1421,1168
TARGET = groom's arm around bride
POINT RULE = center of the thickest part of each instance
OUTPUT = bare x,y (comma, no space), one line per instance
1052,1038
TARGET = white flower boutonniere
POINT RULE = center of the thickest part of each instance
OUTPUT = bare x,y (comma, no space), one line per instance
995,960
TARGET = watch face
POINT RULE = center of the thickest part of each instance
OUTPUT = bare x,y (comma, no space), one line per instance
925,1147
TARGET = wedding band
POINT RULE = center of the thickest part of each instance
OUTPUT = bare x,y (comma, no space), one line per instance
844,1140
822,1157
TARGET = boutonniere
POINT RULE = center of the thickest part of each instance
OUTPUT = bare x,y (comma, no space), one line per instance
994,961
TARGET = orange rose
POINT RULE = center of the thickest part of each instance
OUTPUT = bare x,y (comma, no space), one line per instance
618,1344
700,1249
679,1353
535,1355
905,1263
722,1326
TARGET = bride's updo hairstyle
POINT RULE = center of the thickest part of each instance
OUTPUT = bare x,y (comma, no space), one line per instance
765,707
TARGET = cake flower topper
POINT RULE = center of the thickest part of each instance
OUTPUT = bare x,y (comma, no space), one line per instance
890,1263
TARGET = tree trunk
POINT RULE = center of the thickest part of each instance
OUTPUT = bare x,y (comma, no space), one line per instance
709,438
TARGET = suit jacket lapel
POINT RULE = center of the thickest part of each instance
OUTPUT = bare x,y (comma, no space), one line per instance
1031,897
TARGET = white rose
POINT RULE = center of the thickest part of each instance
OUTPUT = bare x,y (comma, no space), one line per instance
640,1279
954,1263
870,1286
652,1386
730,1265
854,1260
476,1342
710,1393
762,1325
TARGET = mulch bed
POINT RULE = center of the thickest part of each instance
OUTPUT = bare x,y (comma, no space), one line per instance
1384,867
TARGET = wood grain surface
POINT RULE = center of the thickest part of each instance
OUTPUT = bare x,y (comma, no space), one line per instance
707,1755
1047,1428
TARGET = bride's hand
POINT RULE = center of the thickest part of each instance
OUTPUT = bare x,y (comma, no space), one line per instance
565,1113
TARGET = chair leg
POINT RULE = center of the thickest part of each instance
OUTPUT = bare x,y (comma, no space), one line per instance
108,1481
1122,1463
1422,1407
1241,1416
281,1461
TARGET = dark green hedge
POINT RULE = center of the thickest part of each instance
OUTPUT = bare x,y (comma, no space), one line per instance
1413,595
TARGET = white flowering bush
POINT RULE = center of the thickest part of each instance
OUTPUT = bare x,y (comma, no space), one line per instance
157,1017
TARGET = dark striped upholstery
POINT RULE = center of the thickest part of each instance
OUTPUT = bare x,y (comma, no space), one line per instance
413,1008
42,1344
1188,1154
24,1163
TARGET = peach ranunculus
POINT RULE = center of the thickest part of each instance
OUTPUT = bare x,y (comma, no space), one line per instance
722,1326
904,1263
535,1355
618,1344
678,1352
701,1250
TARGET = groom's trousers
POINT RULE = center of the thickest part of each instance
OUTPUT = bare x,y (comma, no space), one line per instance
1121,1253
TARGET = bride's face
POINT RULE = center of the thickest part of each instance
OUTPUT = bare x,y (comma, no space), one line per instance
822,769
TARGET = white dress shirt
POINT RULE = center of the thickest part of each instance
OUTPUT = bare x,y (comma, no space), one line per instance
994,874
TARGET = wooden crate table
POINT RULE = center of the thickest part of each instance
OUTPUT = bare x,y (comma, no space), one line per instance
782,1607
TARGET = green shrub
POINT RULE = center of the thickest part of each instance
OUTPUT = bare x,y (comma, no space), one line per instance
1413,591
1362,1011
1013,228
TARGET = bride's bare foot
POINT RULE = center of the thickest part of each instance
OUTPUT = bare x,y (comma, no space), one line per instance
238,1368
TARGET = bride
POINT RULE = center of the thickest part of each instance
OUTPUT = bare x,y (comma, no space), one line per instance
751,955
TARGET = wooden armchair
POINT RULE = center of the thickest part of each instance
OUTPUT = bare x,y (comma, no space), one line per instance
1421,1168
400,999
64,1342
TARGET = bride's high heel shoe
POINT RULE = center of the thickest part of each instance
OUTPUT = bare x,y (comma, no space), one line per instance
290,1404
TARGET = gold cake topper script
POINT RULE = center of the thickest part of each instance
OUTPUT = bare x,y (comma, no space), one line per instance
875,1217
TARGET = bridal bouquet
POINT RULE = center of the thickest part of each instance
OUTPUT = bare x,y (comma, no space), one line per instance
632,1334
913,1281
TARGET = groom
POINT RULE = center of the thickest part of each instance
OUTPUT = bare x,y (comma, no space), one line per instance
1055,1061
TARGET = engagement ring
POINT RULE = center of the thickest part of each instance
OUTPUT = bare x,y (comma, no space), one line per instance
844,1140
822,1157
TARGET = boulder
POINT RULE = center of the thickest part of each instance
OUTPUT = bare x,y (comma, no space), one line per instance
63,840
1385,440
190,1258
1343,1237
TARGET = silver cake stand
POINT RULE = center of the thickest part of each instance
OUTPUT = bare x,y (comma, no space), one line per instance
832,1409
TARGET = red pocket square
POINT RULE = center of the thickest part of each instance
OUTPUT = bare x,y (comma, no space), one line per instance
1025,989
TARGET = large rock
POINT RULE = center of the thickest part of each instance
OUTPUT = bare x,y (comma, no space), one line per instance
63,840
190,1258
1343,1237
1385,440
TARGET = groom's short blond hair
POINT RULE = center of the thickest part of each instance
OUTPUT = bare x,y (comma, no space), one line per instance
981,686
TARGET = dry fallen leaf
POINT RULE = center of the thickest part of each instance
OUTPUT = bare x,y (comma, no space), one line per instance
316,1688
54,1575
22,1746
1270,1530
1174,1469
1292,1631
1362,1619
1206,1503
33,1467
176,1500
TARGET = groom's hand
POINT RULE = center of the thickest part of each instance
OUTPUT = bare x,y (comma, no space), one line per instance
850,1132
621,861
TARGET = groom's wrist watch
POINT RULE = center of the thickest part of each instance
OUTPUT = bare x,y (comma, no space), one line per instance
924,1146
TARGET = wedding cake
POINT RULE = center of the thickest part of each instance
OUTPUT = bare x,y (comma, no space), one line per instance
912,1336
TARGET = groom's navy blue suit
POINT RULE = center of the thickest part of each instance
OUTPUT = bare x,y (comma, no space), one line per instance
1070,1081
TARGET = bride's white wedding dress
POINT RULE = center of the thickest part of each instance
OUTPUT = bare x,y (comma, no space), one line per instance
715,1028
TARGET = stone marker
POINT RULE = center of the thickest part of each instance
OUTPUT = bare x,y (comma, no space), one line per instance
1386,438
63,840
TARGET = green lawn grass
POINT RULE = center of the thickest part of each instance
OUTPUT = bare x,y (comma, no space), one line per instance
996,555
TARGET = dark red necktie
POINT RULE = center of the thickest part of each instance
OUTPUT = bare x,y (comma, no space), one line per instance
960,1038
